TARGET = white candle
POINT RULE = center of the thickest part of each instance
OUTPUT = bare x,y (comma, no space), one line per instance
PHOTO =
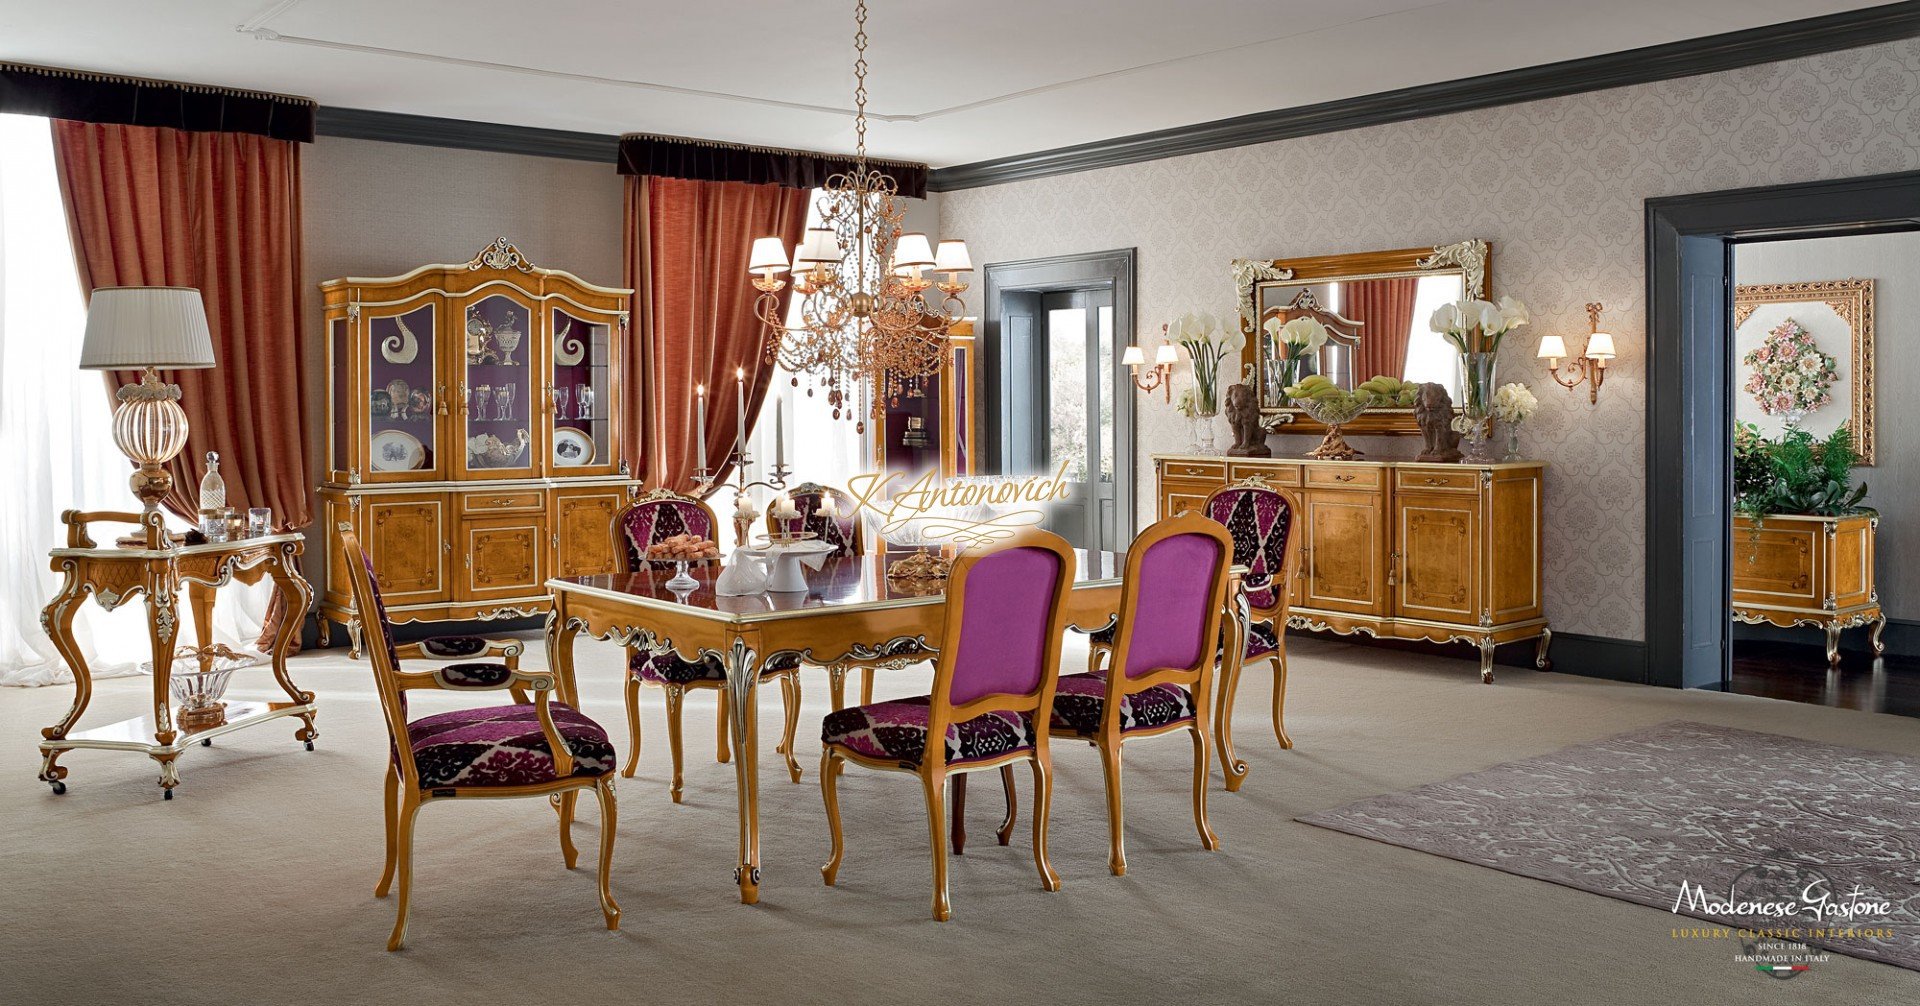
779,433
740,409
827,507
700,425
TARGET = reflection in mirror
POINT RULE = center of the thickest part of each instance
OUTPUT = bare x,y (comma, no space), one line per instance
1377,325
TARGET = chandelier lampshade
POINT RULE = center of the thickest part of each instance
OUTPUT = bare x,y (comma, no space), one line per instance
862,323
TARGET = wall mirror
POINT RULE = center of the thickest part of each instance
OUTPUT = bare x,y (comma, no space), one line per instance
1375,306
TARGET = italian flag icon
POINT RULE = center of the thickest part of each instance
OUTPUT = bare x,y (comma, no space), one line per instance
1772,968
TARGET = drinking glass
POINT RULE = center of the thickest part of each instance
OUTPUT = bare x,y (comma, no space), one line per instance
503,399
583,394
560,393
259,521
481,396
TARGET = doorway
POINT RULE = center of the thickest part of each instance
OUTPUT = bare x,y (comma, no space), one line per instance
1056,398
1691,244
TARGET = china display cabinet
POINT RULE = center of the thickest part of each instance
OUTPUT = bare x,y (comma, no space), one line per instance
472,441
936,428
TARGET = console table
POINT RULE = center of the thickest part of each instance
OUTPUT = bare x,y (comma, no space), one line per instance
1447,553
157,569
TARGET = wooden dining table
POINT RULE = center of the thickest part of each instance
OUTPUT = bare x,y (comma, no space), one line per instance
850,611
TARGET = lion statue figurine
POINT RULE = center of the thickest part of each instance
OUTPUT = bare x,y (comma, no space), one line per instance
1433,410
1243,416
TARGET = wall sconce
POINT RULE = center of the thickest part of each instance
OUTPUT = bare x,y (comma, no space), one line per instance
1161,377
1589,366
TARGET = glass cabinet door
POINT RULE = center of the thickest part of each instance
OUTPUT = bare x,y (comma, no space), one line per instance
579,382
497,391
403,394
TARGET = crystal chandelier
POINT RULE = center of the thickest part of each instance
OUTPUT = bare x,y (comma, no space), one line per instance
864,320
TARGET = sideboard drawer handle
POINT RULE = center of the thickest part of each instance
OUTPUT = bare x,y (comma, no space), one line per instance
1345,477
1192,470
1435,482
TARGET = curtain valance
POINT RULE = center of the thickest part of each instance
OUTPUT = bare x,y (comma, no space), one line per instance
713,161
84,96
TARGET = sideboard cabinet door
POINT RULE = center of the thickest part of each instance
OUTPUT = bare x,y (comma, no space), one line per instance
1439,573
582,524
405,535
1345,552
505,556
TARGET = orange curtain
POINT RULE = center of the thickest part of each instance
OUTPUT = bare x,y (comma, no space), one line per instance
686,258
1386,307
150,206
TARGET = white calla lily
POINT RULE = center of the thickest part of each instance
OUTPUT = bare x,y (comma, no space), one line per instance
1513,313
1446,318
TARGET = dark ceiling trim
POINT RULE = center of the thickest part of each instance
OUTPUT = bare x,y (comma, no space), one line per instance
462,134
1687,58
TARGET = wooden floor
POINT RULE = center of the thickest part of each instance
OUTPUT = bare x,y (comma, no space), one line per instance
1798,673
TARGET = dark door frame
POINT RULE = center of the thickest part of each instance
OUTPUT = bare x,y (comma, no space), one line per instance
1113,270
1690,242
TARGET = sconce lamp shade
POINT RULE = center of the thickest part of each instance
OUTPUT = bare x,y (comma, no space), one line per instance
1166,354
133,327
769,255
1134,357
1600,346
912,252
818,246
1552,347
952,257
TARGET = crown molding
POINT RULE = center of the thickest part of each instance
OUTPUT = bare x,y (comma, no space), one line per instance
1686,58
465,134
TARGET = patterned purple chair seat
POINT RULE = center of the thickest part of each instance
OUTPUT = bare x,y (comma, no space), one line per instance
897,730
671,670
1081,699
503,746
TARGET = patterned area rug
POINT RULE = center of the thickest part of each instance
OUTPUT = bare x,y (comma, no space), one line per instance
1729,825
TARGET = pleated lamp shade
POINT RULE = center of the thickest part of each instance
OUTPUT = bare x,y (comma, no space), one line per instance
131,327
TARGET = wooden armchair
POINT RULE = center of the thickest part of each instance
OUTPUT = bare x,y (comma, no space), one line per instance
534,747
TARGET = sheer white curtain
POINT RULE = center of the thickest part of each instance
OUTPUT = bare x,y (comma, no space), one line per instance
819,448
56,439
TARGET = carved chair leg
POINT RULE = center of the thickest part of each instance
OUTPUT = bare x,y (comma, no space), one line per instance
790,698
1096,656
633,726
958,829
403,859
936,793
609,827
1116,840
1279,661
392,810
1042,807
676,698
830,793
1208,840
565,803
725,752
1005,834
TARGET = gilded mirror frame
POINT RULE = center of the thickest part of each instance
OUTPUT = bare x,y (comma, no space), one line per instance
1468,259
1853,301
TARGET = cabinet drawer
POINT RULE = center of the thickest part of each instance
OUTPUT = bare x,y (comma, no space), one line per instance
1182,468
1343,476
505,501
1276,475
1173,504
1467,480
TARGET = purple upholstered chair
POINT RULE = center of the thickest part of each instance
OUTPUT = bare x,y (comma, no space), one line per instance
993,683
1165,650
655,517
1261,521
843,531
536,747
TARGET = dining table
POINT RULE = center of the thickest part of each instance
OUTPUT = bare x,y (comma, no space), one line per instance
851,610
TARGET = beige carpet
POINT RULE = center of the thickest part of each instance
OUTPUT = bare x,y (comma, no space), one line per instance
255,885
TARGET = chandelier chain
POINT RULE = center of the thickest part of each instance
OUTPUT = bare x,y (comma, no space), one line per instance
860,85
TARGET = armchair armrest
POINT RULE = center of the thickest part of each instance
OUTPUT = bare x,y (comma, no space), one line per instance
463,648
478,678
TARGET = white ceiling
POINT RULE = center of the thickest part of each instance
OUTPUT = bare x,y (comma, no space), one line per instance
952,81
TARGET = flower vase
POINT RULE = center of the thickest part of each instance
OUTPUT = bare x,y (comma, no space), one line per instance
1479,373
1513,443
1200,433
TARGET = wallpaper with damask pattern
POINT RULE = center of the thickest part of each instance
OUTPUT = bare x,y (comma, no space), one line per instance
1558,186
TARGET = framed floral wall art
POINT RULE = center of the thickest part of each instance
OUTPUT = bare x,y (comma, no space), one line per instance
1803,355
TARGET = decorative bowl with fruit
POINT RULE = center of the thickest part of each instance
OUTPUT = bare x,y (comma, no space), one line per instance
1332,406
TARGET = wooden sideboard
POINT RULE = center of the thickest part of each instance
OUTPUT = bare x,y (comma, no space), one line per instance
1791,570
1445,553
472,436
